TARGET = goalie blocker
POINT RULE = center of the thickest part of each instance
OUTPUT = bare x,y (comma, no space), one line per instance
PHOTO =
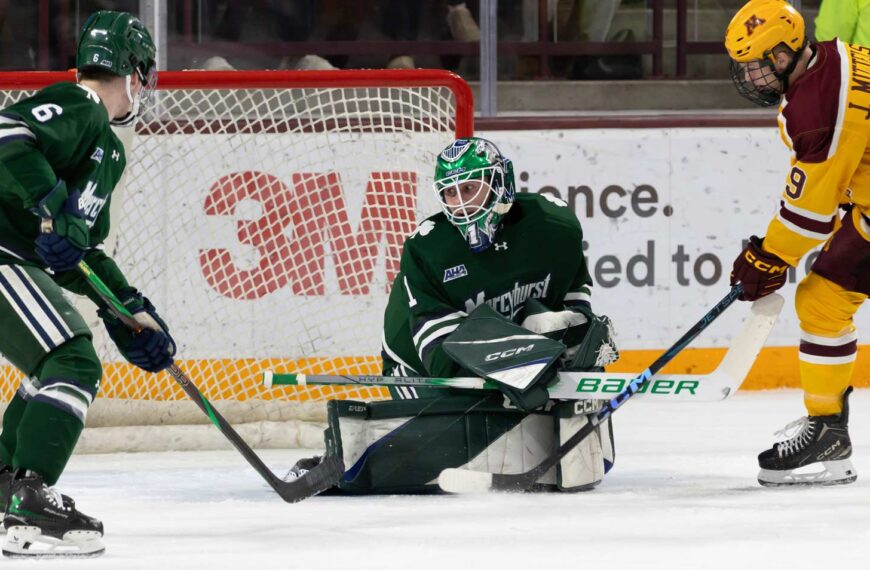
402,446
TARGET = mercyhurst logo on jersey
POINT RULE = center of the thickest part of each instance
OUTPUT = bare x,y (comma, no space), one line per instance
510,302
90,204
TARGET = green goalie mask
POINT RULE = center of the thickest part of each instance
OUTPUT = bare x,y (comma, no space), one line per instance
118,43
474,183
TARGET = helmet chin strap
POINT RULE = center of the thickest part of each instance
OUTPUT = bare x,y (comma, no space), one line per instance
783,77
128,119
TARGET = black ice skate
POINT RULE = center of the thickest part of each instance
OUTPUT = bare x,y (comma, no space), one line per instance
302,467
6,482
40,523
818,454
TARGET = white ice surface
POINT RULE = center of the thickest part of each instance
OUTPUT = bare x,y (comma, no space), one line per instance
682,495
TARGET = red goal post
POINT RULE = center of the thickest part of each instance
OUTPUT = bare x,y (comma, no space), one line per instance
263,213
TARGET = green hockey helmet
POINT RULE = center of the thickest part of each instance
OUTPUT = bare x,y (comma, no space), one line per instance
116,42
120,44
474,183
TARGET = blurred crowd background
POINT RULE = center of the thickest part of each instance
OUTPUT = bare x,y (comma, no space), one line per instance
536,39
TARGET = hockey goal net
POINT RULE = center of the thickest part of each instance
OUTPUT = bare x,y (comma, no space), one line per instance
263,214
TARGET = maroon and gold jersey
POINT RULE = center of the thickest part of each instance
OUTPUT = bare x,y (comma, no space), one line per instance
824,120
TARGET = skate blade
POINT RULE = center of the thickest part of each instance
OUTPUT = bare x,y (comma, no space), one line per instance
29,542
832,473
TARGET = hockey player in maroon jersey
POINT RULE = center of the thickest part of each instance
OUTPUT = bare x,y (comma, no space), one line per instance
823,93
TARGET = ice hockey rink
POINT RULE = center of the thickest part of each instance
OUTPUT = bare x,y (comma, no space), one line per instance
682,495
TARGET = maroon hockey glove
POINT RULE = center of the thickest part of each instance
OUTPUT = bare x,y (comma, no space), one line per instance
760,272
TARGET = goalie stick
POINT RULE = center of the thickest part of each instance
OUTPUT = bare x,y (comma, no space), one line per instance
715,386
753,334
316,480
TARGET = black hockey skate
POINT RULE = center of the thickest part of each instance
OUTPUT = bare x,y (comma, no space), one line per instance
40,523
6,482
818,454
302,467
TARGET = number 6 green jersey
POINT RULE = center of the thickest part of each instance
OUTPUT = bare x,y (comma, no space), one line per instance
537,254
61,132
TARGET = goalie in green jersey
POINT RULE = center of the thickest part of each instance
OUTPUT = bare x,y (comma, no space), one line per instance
494,286
59,163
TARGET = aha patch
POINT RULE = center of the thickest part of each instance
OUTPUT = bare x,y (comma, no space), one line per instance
455,273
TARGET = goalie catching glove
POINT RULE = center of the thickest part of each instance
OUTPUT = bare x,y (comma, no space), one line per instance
587,336
151,349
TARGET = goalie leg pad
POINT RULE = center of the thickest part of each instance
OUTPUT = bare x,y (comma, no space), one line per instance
585,465
402,446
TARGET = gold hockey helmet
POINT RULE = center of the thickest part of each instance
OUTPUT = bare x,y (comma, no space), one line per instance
761,25
757,28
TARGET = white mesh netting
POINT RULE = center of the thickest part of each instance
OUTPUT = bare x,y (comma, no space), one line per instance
266,225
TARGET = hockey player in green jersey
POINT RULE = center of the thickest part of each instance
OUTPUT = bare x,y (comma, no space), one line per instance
510,248
59,163
506,297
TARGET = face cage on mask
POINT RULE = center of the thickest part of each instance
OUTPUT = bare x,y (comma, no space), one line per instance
143,97
487,204
766,95
149,83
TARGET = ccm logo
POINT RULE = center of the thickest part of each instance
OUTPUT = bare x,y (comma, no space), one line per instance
828,451
765,267
508,352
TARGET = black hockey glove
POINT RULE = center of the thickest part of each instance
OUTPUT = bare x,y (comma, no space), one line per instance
760,272
63,241
152,348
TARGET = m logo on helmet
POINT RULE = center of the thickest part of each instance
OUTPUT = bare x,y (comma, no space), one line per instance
752,23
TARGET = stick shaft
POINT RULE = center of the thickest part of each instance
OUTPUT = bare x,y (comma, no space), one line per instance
644,377
187,385
525,480
569,386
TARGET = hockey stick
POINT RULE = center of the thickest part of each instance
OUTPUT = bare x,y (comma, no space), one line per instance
466,481
715,386
318,479
570,386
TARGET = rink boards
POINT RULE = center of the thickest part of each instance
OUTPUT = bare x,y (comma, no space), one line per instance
664,212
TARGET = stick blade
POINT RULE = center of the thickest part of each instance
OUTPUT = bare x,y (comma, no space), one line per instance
465,481
320,478
747,344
